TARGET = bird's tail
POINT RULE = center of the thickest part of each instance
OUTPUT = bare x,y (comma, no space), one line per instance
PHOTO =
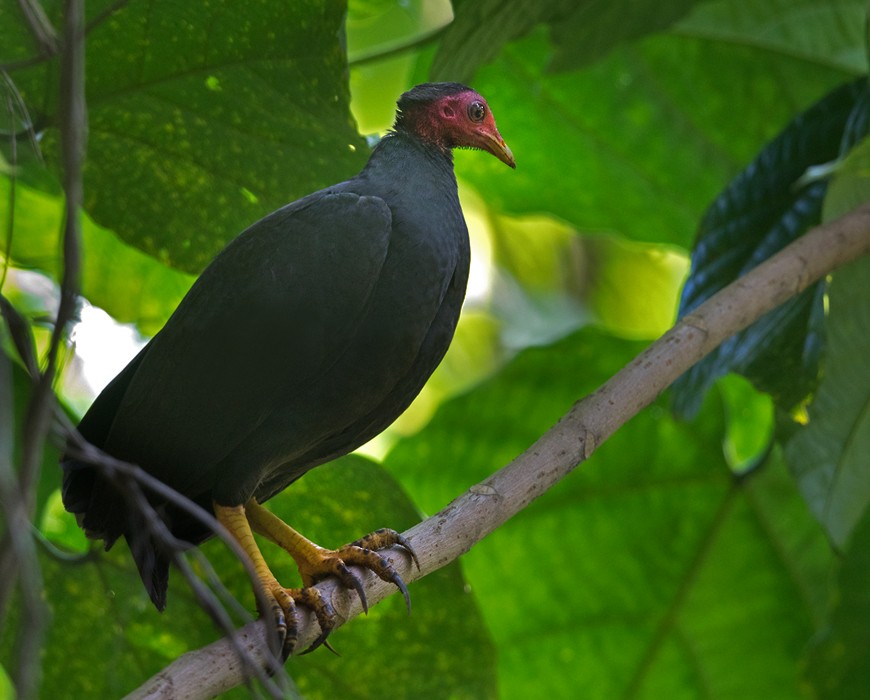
103,512
152,555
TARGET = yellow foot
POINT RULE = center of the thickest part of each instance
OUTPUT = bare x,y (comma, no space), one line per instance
282,603
315,563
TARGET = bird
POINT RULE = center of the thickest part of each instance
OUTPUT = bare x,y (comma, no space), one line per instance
303,339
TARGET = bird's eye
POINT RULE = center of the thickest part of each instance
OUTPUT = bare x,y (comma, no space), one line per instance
476,111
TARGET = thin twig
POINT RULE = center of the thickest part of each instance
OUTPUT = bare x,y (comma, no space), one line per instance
450,533
39,411
18,556
40,27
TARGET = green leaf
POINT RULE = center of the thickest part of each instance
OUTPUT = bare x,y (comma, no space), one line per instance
558,279
376,27
750,416
762,210
633,287
132,286
111,639
204,118
628,145
836,664
650,572
850,184
819,32
829,455
582,31
593,28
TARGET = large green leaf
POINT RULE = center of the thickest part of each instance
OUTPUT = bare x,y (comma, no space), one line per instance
205,117
829,455
629,144
837,660
651,572
582,31
830,32
585,31
131,285
111,639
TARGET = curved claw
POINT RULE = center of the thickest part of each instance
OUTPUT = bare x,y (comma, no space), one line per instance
351,580
323,611
400,584
386,572
283,609
317,564
403,542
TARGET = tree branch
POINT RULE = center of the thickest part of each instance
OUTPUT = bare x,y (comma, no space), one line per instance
450,533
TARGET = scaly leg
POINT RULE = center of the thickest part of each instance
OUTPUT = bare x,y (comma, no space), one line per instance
282,601
316,563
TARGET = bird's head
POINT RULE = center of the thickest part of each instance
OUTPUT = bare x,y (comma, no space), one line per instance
451,115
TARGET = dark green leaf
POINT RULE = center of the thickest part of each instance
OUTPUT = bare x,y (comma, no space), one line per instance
829,455
111,639
762,210
836,664
594,27
205,117
581,31
481,28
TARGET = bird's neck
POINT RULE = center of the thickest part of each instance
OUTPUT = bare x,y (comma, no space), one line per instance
400,145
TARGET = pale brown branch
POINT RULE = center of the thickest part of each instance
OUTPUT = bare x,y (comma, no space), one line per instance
450,533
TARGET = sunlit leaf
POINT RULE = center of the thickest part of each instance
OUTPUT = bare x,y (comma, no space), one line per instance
129,284
202,118
750,416
633,287
820,32
376,27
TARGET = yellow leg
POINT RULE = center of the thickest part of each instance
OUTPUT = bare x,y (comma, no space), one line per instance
305,553
234,519
316,563
281,601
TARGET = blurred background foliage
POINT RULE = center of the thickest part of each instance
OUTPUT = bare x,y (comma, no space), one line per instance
715,547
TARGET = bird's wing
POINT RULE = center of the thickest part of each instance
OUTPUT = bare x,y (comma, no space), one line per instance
269,315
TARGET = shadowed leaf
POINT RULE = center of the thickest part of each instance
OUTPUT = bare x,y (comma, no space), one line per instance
762,210
836,663
829,455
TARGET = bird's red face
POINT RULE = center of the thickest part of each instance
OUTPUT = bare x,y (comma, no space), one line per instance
465,121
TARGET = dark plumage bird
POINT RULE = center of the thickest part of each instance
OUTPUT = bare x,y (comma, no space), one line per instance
303,339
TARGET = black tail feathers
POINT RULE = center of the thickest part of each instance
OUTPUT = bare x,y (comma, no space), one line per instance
152,556
105,513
